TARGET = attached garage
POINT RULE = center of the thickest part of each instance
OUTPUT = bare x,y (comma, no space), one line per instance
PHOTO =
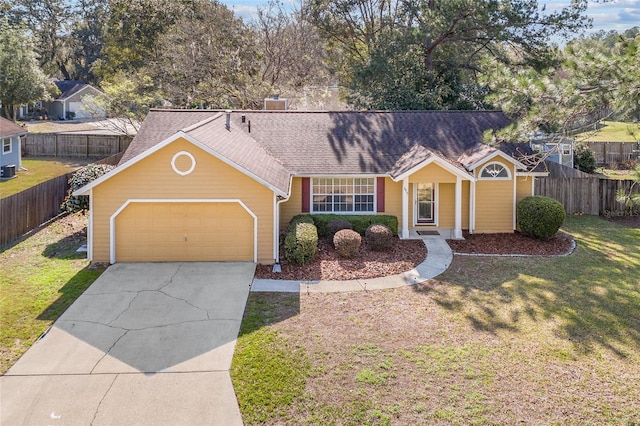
176,230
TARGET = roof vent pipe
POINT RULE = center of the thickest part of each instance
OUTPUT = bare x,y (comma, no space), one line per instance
227,124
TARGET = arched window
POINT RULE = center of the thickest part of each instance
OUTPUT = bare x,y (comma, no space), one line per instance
495,171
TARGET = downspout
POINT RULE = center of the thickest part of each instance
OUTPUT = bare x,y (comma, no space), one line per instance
276,226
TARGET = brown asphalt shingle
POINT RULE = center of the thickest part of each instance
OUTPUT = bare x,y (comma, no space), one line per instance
272,144
9,128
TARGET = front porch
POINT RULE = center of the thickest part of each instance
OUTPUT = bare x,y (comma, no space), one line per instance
424,233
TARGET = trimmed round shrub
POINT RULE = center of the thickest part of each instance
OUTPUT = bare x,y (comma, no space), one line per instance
378,237
347,243
301,243
584,158
336,225
540,217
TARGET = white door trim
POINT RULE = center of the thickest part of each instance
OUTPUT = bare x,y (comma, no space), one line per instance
112,219
436,203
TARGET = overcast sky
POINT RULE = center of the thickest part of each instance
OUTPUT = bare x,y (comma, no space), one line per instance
616,15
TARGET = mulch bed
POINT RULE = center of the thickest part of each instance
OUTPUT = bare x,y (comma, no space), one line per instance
515,243
403,256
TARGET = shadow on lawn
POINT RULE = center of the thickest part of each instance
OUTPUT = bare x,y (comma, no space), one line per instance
70,291
264,309
591,298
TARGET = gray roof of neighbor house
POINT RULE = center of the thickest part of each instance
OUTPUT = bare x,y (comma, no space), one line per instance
69,88
9,128
271,144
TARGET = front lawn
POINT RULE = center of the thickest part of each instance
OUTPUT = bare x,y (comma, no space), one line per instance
492,341
39,278
39,170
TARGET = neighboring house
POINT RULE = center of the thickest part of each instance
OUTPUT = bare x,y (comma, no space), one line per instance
10,155
200,185
74,101
558,149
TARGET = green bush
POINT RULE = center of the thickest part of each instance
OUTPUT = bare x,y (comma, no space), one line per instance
336,225
359,223
79,179
540,217
300,218
378,237
584,158
347,243
300,243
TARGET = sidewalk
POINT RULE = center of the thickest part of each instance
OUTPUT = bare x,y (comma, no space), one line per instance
439,257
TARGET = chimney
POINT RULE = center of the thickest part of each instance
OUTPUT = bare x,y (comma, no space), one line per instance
276,103
228,122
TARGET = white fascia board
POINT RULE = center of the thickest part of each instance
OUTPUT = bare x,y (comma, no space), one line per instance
88,86
439,161
180,134
537,174
493,155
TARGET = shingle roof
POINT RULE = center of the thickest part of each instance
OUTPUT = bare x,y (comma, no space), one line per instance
9,128
364,142
69,87
234,145
272,144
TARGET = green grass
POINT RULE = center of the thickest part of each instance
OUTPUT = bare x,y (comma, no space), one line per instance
494,340
39,278
612,131
38,171
268,372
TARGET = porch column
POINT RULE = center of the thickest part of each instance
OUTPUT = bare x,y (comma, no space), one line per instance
405,208
457,231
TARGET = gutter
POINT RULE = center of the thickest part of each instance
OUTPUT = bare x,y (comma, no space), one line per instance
276,226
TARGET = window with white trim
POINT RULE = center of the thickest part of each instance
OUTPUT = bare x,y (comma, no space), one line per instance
6,146
495,171
343,195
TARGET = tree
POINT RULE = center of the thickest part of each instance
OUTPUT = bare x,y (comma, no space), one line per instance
209,58
291,51
591,82
427,54
21,79
632,197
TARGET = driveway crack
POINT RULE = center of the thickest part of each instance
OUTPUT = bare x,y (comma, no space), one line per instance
127,308
172,277
108,350
102,399
185,301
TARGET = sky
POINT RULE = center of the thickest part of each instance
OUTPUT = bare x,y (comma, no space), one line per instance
616,15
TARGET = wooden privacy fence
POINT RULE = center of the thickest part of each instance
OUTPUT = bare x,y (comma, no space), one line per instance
24,211
73,145
608,153
592,195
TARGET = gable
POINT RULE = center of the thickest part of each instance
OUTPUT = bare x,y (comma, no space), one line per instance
180,165
433,173
179,170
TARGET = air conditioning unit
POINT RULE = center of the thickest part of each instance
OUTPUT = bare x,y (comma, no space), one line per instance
8,171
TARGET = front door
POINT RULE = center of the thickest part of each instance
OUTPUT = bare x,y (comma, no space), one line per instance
425,203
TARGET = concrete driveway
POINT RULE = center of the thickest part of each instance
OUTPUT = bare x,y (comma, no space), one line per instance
147,343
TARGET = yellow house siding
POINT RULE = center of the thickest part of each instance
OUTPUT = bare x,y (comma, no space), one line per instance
153,178
494,202
293,206
466,185
446,205
432,173
523,187
393,199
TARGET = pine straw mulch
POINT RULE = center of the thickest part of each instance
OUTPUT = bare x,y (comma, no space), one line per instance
403,256
512,244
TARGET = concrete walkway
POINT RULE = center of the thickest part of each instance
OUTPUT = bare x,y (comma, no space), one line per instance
439,257
144,344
